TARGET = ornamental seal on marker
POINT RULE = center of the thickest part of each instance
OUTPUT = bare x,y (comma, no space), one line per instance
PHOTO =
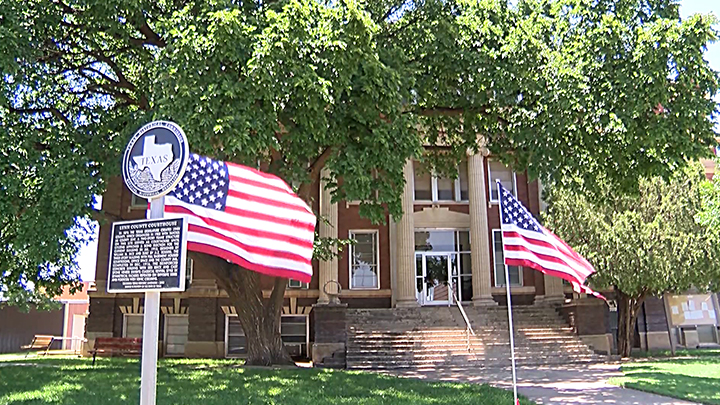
155,159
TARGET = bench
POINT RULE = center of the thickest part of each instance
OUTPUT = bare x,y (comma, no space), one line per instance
116,347
40,343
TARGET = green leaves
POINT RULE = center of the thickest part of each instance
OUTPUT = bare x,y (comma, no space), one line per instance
587,92
646,243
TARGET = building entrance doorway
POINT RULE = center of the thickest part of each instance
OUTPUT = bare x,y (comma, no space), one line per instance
442,265
435,274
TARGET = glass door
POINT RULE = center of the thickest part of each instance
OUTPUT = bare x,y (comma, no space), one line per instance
433,277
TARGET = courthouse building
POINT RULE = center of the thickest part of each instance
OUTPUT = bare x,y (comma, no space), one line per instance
446,247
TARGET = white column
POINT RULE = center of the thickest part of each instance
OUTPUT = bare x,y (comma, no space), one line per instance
406,292
479,240
328,269
554,290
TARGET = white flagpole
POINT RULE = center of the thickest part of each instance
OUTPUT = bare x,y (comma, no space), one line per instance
509,305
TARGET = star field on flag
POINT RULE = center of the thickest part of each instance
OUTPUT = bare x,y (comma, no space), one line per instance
529,244
245,216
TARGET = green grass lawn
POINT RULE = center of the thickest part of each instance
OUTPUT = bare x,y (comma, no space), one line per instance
74,381
693,375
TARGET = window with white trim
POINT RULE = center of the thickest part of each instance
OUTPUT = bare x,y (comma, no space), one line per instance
297,284
430,187
132,325
498,171
294,332
515,272
235,340
138,202
364,260
176,331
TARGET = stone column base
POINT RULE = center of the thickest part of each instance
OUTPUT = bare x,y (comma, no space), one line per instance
407,303
484,301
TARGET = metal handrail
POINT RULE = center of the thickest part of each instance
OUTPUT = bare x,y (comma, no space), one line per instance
468,330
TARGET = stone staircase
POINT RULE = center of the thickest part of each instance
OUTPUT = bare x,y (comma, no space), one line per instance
431,337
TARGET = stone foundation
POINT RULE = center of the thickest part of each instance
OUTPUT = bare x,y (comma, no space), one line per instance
205,349
654,341
602,344
322,350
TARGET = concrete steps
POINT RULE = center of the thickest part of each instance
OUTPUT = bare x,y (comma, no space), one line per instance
436,337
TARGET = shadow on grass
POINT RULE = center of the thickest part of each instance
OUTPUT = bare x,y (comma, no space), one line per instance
678,353
662,378
117,381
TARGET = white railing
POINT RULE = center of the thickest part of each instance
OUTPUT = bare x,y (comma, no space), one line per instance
468,329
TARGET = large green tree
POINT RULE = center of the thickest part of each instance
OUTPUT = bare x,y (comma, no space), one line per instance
568,87
642,244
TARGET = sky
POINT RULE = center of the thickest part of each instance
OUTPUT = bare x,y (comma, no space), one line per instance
87,256
690,7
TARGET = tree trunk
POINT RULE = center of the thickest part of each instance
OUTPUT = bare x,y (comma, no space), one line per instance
628,308
258,316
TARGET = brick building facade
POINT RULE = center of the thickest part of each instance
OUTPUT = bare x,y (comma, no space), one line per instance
445,248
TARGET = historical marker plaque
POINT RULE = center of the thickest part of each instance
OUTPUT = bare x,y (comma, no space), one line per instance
147,255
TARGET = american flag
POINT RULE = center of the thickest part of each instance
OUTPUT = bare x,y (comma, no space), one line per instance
245,216
527,243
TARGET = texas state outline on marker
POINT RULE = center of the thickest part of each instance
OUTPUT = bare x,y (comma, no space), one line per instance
155,157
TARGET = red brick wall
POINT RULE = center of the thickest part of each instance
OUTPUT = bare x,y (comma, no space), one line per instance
350,219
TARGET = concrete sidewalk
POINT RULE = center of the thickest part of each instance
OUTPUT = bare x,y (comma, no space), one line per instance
556,384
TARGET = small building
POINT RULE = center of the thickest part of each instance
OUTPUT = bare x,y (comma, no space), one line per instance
67,324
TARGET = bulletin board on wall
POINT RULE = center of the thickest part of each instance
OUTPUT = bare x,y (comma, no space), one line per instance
692,309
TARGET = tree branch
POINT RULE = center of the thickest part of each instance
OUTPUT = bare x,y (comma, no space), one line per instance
101,215
66,8
52,110
152,38
122,80
317,165
447,111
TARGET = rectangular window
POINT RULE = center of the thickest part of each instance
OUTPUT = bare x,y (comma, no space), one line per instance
297,284
423,182
132,325
138,202
445,189
498,171
499,262
430,187
294,334
176,334
235,341
364,260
